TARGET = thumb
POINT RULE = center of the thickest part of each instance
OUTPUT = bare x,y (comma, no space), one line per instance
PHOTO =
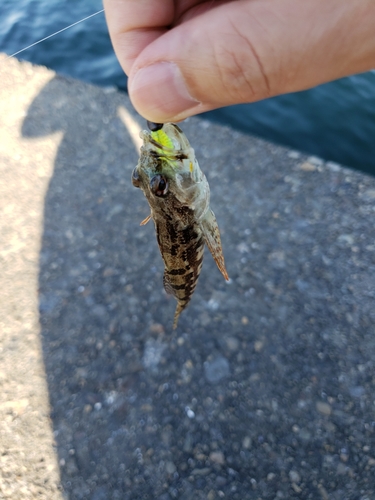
243,51
205,63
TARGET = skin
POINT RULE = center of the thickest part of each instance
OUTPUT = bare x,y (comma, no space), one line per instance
184,57
180,210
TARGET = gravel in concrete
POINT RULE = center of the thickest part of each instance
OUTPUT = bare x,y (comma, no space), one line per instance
267,388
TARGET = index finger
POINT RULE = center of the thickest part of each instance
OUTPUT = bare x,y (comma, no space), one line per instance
134,24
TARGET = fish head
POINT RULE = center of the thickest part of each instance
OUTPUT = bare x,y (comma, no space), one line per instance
168,172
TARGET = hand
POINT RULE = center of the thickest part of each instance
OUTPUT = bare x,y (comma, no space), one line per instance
188,56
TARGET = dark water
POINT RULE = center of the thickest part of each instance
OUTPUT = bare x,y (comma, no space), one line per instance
335,121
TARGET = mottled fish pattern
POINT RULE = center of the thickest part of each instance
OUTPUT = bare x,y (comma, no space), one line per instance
178,194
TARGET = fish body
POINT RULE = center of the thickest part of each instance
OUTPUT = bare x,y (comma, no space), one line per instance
178,194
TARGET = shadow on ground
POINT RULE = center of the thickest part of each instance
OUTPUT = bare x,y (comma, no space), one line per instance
266,389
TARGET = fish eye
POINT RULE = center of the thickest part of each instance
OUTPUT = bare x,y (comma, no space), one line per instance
135,178
159,185
154,127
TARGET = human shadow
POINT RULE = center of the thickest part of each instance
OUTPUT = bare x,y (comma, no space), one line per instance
259,382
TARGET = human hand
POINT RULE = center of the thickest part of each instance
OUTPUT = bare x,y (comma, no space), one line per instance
184,57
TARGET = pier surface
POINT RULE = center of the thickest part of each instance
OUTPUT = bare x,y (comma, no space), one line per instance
266,390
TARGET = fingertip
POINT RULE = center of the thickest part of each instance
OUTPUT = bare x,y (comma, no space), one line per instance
160,94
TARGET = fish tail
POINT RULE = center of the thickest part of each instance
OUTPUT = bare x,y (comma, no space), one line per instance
181,303
179,308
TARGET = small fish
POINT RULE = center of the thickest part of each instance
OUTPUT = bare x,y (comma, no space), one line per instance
179,197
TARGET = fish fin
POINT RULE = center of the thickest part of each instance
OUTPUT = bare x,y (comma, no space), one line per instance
167,285
179,308
144,222
211,234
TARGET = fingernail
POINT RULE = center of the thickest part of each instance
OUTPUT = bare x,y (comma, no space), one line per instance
159,91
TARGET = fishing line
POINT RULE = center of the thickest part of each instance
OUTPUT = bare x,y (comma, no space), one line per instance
56,33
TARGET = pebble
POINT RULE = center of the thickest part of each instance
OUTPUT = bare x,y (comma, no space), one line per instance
246,442
201,472
258,345
213,304
324,408
189,412
307,167
369,194
221,480
296,488
170,467
211,495
217,457
333,167
157,328
16,407
294,155
314,160
344,457
188,444
341,468
216,369
323,492
357,391
294,476
346,238
232,343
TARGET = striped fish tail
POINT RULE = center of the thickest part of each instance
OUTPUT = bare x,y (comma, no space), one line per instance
179,308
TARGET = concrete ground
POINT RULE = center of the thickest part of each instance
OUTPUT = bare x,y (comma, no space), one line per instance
267,388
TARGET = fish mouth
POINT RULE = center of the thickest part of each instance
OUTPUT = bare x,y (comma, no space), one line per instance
169,145
154,127
162,139
166,138
161,146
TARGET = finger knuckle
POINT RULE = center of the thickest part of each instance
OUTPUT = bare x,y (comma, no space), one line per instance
241,70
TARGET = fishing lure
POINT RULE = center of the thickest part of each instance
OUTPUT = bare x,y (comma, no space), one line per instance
179,195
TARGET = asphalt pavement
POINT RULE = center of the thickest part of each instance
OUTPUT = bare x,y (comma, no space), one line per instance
266,390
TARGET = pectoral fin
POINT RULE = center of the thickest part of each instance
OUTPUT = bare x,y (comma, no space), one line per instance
144,222
211,235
